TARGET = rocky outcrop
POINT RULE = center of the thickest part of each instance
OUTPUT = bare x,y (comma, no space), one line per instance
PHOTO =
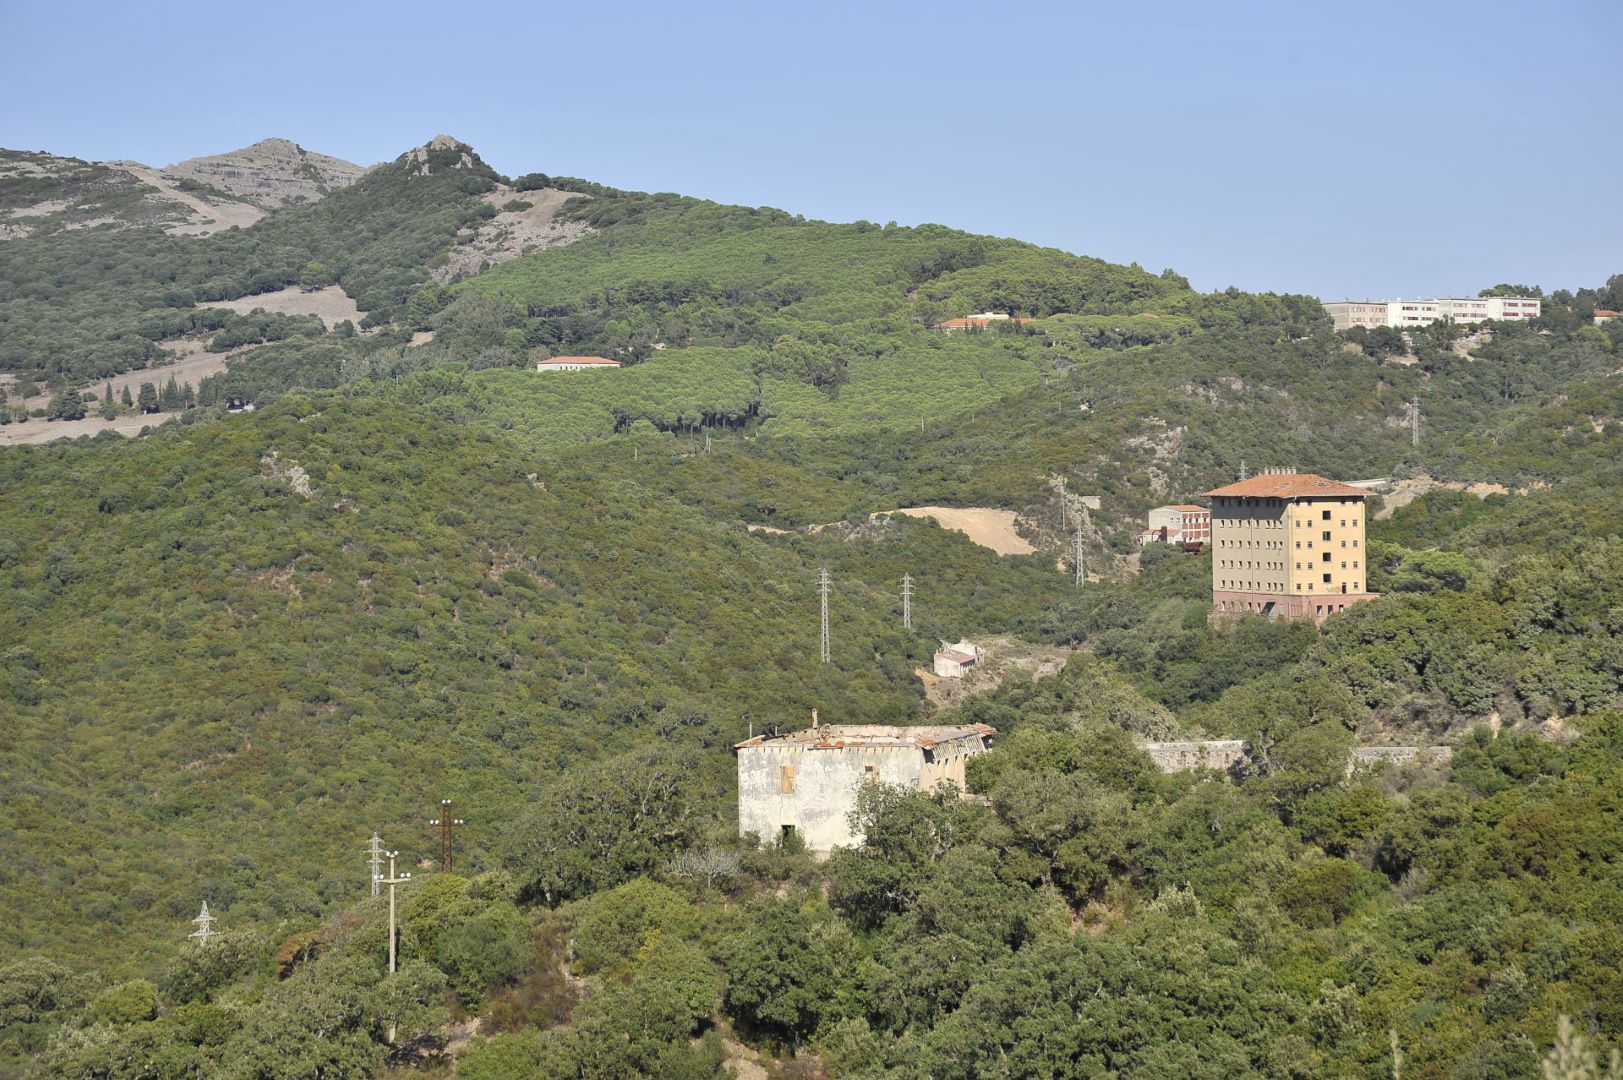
270,173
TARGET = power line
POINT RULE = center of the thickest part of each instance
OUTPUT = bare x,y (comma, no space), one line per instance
392,880
822,589
374,859
445,823
907,601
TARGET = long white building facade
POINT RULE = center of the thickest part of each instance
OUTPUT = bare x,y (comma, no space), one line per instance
1407,314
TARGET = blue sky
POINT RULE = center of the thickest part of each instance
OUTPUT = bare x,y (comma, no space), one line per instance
1350,149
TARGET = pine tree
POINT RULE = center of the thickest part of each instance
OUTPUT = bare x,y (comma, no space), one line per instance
129,402
148,398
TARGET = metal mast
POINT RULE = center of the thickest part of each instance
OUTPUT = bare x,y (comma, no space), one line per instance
822,590
392,880
374,859
205,926
907,601
1076,554
445,823
1414,422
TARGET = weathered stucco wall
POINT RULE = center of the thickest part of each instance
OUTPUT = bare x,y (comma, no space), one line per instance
1401,755
817,798
1224,754
1179,756
825,784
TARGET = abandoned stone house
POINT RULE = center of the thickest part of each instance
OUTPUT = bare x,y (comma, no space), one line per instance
953,661
806,782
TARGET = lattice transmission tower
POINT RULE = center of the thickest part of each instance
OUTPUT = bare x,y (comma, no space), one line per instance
822,591
446,823
907,601
205,926
374,860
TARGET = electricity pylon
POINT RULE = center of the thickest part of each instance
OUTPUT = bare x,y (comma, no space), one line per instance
1076,553
374,859
205,926
445,823
907,601
822,589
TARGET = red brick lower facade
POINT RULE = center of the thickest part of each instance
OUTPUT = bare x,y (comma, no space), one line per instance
1280,606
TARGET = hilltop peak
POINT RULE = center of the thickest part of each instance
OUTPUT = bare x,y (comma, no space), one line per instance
270,173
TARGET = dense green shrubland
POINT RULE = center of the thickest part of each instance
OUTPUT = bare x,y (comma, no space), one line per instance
237,647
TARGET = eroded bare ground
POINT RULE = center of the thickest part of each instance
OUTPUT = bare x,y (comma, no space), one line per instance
332,305
986,526
1004,655
212,215
192,363
1405,492
512,233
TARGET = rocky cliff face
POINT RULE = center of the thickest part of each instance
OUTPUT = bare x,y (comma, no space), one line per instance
270,173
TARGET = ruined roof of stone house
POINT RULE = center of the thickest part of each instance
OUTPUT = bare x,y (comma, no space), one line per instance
847,736
1288,486
954,654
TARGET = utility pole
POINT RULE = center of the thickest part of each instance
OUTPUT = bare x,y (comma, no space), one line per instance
205,926
392,880
1076,553
822,589
1414,422
374,859
1242,469
907,601
445,823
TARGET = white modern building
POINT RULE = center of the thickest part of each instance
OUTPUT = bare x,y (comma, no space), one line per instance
1408,314
805,783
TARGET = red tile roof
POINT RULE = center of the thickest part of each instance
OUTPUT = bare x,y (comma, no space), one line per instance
580,360
1288,486
1608,313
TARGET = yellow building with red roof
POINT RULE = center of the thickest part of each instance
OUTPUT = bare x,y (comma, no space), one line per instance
1288,545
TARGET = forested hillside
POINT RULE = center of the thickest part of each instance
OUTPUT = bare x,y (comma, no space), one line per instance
238,645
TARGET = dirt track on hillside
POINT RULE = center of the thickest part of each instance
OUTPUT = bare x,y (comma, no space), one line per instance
223,214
